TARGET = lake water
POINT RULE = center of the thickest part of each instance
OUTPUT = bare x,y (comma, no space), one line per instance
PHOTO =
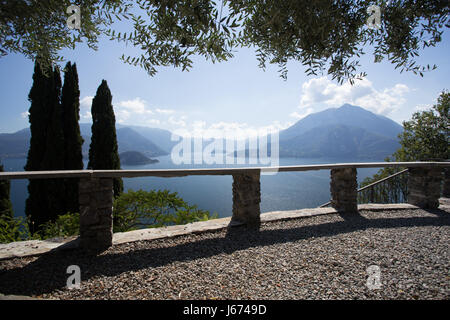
282,191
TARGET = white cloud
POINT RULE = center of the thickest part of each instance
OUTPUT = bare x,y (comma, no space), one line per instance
133,111
151,122
25,114
137,105
122,115
320,93
165,111
234,130
86,116
137,112
86,102
85,109
177,122
299,116
423,107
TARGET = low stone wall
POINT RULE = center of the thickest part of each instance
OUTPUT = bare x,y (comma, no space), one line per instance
446,188
96,213
424,187
246,198
96,191
343,188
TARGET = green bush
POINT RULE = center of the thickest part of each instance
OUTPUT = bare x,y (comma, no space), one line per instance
14,229
132,210
17,228
136,209
66,225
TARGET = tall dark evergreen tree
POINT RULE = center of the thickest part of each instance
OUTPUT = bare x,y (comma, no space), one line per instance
5,201
103,151
39,114
73,157
39,117
46,197
54,152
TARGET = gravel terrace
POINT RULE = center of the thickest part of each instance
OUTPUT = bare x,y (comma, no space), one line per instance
320,257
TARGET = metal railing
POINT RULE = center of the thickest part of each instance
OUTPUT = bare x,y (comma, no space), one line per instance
391,189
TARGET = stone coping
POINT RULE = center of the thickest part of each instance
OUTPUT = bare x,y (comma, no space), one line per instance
206,171
37,247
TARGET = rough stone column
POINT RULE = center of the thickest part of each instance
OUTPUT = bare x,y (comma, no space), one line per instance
343,187
446,191
424,187
96,220
246,198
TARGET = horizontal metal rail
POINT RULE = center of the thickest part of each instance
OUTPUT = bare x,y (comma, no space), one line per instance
382,180
205,171
371,185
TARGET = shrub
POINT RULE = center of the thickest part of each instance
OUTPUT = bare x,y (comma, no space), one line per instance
66,225
136,209
13,229
132,210
17,228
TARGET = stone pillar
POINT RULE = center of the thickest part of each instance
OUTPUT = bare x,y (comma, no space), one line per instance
424,187
343,187
446,191
246,198
96,213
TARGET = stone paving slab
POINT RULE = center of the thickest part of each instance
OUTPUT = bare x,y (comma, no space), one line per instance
34,247
37,247
13,297
171,231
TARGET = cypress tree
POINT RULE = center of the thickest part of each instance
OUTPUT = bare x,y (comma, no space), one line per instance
73,157
46,197
54,151
53,158
40,97
39,114
103,150
5,201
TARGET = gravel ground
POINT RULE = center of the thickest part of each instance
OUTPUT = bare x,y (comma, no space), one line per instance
321,257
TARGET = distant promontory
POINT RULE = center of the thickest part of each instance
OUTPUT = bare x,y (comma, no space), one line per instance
134,158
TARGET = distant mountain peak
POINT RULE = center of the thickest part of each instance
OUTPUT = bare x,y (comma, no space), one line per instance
351,106
348,115
347,105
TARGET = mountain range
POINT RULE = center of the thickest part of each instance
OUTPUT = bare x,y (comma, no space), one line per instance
15,145
345,132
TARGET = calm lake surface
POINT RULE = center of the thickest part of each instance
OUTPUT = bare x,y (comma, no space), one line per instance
282,191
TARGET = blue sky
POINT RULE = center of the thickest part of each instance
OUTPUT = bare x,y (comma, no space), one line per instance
233,95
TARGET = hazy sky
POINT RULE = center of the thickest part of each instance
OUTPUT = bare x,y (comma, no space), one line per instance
234,95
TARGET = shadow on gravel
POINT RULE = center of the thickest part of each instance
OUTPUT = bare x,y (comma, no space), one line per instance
48,272
437,212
